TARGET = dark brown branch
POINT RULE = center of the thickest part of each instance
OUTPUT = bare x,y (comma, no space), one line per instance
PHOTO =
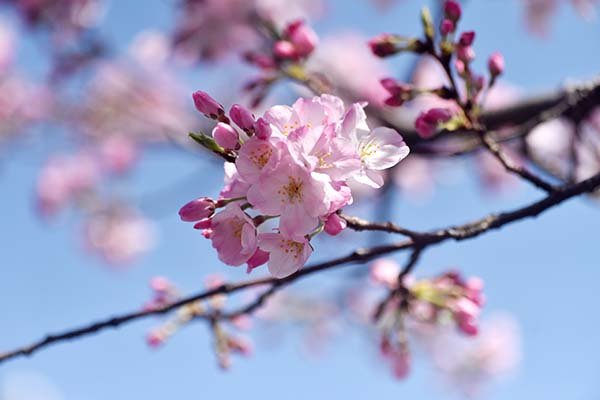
494,148
359,225
423,240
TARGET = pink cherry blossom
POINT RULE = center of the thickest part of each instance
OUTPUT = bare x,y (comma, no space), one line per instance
286,254
233,235
379,149
292,191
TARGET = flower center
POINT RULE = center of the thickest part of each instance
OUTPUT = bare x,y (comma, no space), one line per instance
237,224
260,156
292,192
291,247
368,150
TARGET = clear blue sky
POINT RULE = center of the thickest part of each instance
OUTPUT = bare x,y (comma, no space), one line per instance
545,272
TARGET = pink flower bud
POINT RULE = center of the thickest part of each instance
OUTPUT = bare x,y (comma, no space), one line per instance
203,224
465,53
263,129
207,105
427,122
447,27
285,50
303,38
259,258
401,364
399,92
242,117
226,136
468,326
496,64
335,224
155,339
198,209
452,10
466,38
383,45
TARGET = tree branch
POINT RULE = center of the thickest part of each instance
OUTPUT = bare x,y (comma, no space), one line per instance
420,241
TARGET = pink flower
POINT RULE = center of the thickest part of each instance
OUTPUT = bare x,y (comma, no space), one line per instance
286,254
378,149
334,224
257,156
207,105
496,64
195,210
427,122
259,258
234,186
233,235
118,154
226,136
292,191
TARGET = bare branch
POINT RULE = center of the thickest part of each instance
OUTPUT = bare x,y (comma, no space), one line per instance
421,241
495,149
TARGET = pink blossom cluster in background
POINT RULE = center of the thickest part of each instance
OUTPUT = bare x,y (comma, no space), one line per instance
210,29
293,163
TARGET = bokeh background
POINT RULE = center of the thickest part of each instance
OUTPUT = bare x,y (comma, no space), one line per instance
543,272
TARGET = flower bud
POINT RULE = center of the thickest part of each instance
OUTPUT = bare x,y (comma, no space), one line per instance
427,122
263,129
496,64
226,136
284,50
155,339
198,209
384,271
399,92
335,224
466,38
465,53
447,27
242,117
452,10
207,105
303,38
383,45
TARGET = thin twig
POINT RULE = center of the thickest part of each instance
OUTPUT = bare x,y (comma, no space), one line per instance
495,149
458,233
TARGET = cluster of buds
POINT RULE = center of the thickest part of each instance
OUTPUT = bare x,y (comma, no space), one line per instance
165,293
448,297
293,163
292,46
443,50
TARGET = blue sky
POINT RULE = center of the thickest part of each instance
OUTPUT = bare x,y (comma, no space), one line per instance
544,271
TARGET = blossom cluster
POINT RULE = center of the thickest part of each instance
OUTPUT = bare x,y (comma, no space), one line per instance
293,163
427,302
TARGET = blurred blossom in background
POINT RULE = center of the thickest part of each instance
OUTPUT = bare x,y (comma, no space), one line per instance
95,161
